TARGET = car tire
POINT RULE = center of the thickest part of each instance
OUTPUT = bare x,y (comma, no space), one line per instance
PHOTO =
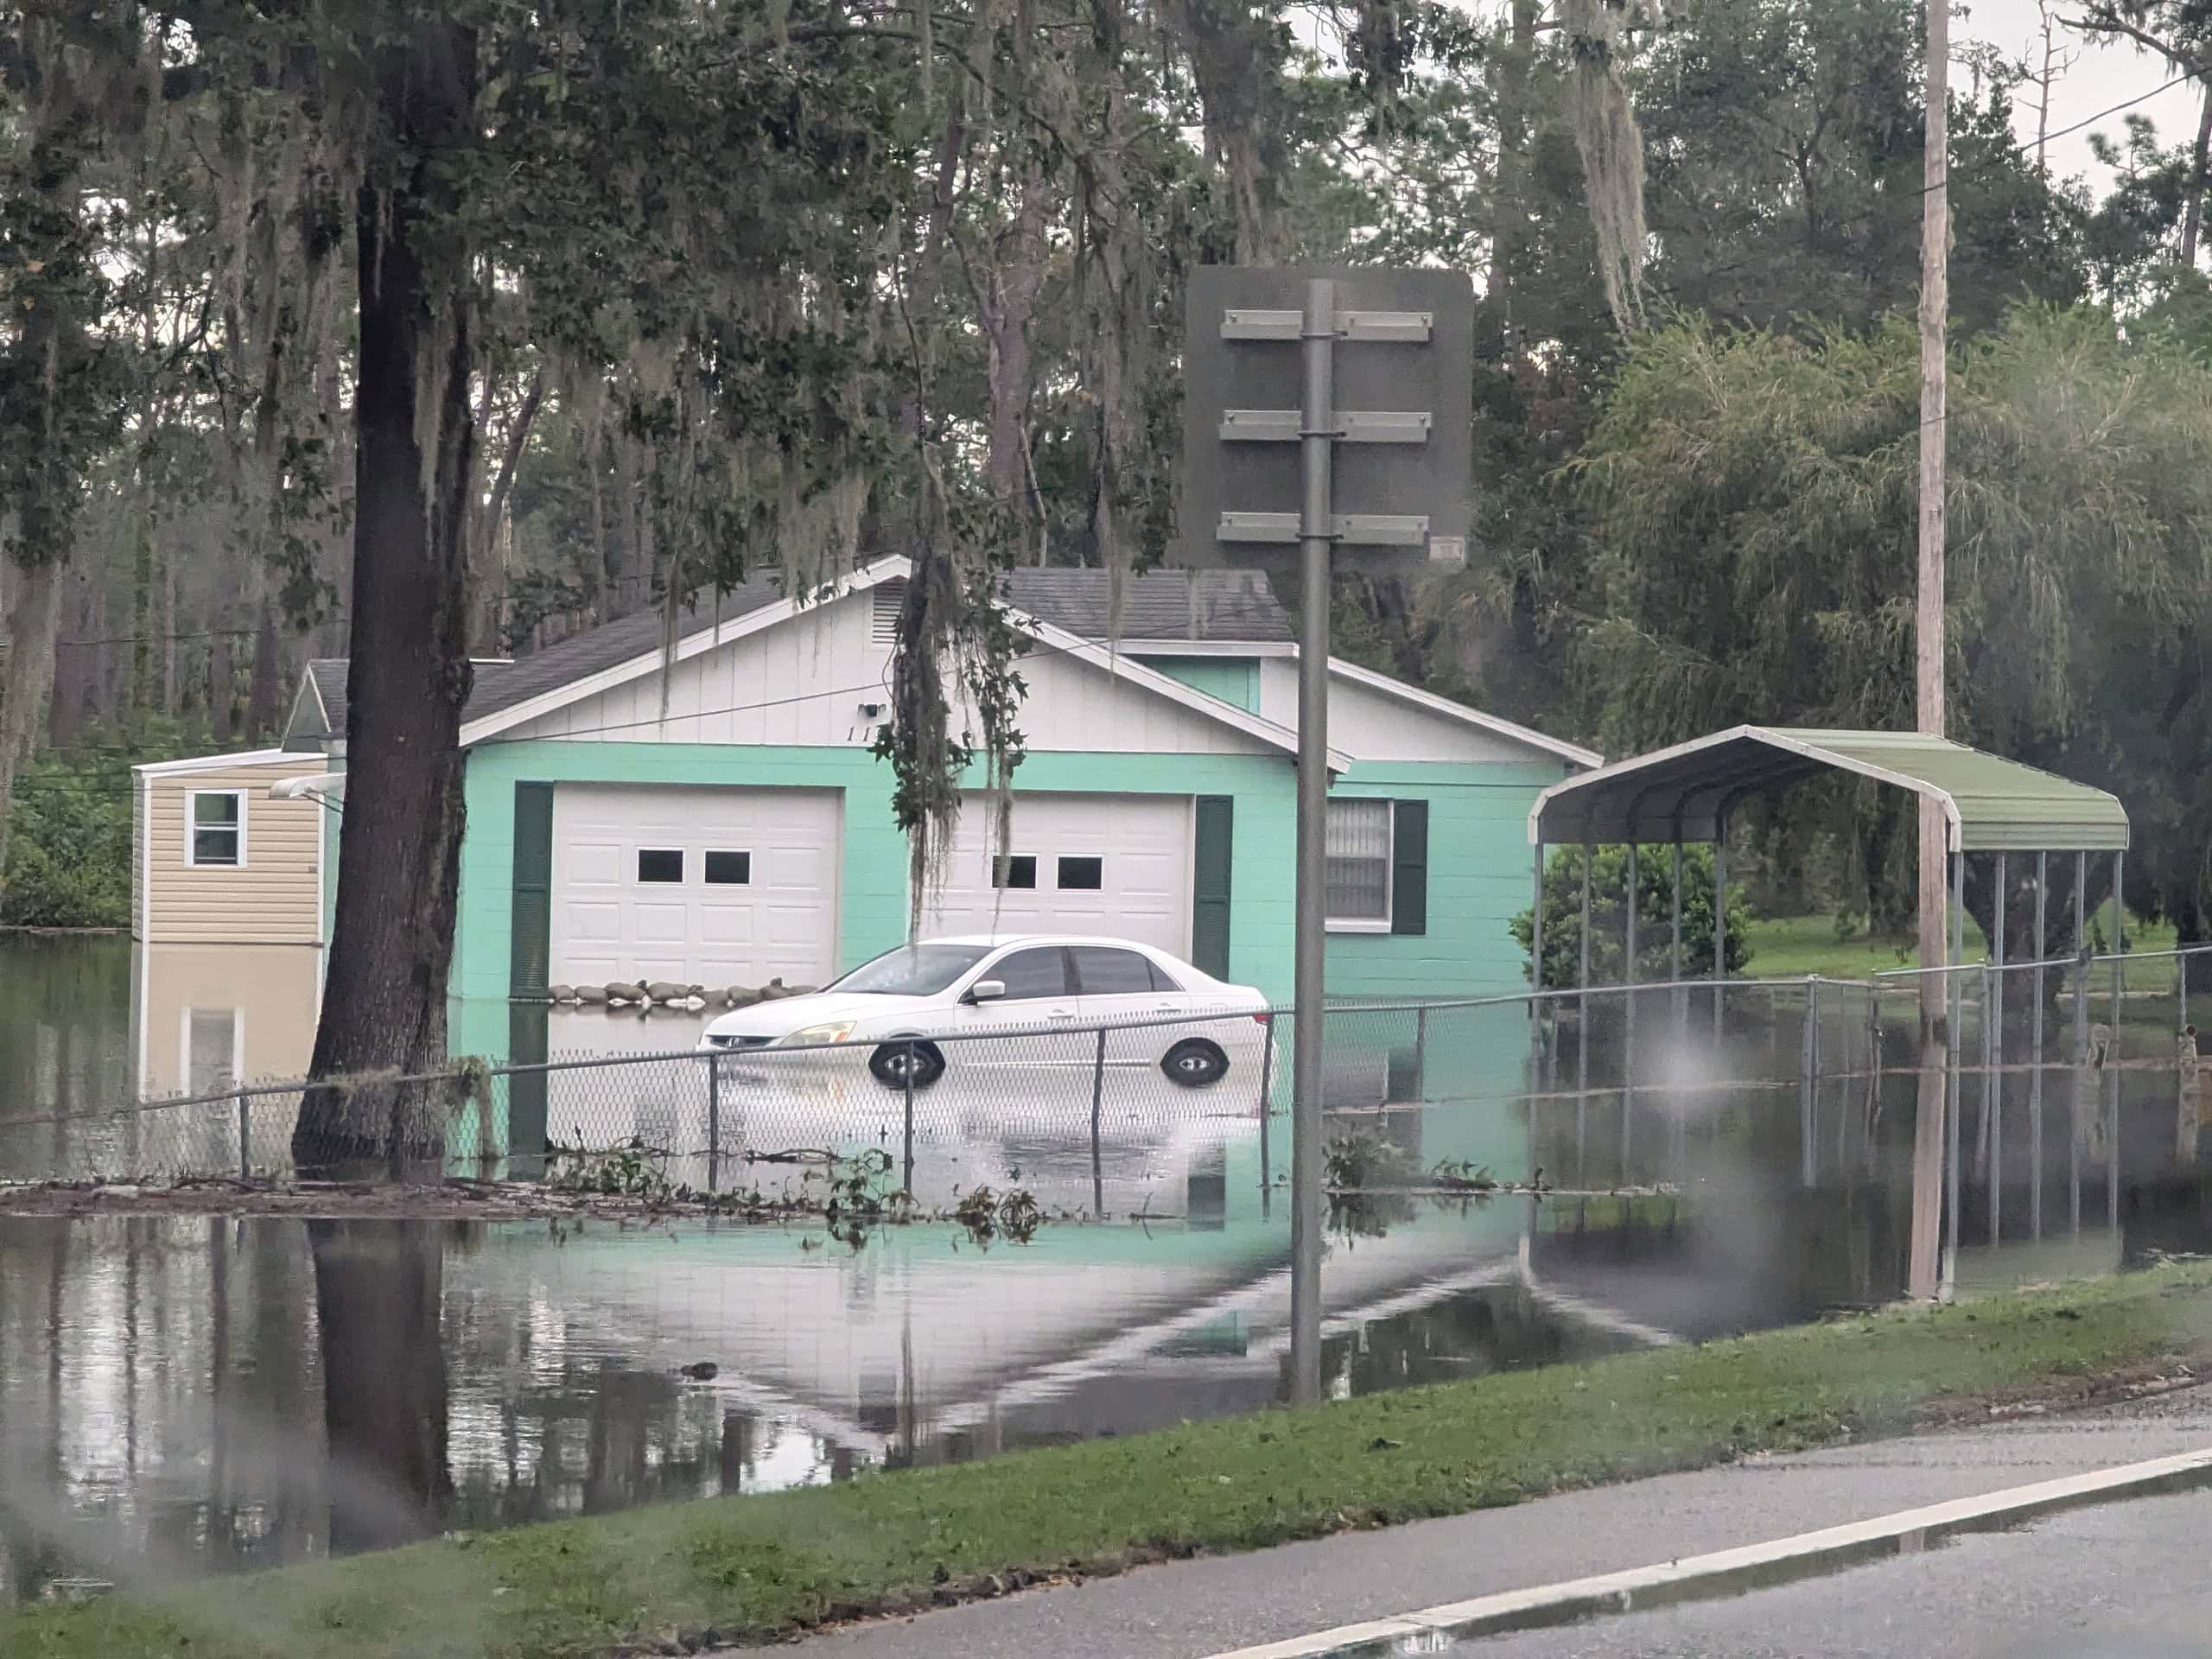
888,1064
1194,1062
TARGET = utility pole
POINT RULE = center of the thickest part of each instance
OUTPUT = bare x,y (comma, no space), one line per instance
1925,1266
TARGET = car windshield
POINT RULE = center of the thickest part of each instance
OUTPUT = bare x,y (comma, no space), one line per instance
913,969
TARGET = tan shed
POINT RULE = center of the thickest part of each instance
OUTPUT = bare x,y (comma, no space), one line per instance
217,859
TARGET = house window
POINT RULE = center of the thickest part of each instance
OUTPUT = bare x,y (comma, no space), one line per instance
660,865
1082,874
1358,853
1016,872
215,828
727,869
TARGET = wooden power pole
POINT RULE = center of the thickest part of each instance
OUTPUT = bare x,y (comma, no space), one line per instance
1925,1271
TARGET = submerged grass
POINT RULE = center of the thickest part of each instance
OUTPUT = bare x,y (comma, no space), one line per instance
756,1569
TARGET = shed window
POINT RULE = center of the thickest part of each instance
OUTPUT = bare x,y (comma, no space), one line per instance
1017,872
660,865
215,828
1358,853
729,869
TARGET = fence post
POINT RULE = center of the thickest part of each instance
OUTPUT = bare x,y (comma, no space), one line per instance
1807,1158
245,1136
714,1119
1098,1100
1420,1056
1267,1111
907,1139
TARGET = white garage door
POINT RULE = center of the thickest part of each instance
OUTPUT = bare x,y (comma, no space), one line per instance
700,885
1119,865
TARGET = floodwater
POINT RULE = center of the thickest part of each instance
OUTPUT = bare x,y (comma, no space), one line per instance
189,1395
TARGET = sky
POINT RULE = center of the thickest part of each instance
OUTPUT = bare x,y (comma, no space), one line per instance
2101,76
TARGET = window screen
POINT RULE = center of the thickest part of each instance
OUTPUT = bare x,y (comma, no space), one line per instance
1032,973
1358,846
729,869
218,829
1102,972
1016,871
1082,874
659,864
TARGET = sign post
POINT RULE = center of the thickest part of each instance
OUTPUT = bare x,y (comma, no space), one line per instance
1237,431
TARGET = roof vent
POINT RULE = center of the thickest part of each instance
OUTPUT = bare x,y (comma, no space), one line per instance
890,598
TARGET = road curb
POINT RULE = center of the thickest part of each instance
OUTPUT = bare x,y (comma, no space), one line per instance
1730,1572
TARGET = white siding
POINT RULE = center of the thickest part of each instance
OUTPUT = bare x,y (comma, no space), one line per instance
803,682
1368,725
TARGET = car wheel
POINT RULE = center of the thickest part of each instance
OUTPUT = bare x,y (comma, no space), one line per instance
1195,1063
889,1064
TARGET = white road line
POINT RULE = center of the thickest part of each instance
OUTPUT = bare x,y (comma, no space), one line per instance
1432,1629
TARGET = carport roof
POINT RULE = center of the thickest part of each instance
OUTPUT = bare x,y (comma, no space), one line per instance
1992,804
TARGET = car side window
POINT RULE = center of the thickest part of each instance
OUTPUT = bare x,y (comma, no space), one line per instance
1029,974
1100,972
1161,980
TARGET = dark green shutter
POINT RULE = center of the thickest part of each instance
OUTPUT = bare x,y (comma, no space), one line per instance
527,1042
1409,868
1209,885
531,927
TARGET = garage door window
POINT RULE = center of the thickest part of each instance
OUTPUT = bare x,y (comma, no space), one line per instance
729,869
1082,874
1017,872
1028,974
661,865
1359,865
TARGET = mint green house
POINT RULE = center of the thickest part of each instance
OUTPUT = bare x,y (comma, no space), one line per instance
722,822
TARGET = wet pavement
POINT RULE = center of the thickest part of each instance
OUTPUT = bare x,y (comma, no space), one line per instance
1193,1608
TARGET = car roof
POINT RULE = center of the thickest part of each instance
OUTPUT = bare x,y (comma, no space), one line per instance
996,941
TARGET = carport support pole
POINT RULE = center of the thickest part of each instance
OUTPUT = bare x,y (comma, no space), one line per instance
1720,929
2035,1047
1582,1014
1316,531
1992,1049
2113,1049
1956,996
1536,989
2080,1039
1629,978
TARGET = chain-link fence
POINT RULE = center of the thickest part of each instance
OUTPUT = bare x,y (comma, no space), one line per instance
2073,1084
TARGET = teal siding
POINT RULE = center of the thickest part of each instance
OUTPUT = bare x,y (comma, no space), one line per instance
1479,881
872,904
1233,679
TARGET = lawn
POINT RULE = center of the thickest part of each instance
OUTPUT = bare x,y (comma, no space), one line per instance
1786,947
758,1568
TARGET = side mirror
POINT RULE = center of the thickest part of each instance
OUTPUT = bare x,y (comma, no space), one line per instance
985,990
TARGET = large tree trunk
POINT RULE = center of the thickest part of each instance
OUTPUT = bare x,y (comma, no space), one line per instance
377,1288
33,624
384,1006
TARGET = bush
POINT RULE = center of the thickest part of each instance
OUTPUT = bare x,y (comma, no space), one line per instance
69,839
1654,881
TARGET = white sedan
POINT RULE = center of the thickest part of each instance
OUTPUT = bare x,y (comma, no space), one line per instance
1044,1000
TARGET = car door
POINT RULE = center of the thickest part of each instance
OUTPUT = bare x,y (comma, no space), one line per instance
1038,1014
1122,990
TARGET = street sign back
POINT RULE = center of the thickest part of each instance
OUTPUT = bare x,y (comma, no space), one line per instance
1402,372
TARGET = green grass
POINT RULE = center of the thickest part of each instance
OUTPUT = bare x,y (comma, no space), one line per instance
756,1569
1785,947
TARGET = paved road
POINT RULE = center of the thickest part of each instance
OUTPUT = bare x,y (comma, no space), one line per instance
2125,1579
1193,1609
